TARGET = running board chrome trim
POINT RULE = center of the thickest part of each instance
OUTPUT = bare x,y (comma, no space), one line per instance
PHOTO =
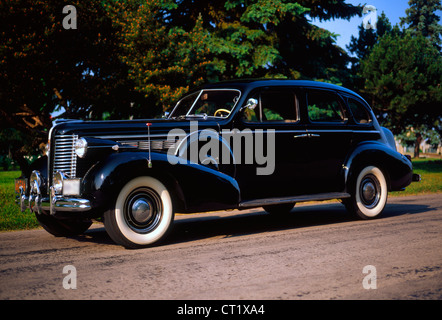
274,201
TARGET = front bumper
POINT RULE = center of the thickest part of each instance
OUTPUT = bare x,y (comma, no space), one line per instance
52,204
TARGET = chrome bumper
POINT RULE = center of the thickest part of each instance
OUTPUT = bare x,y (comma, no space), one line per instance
52,204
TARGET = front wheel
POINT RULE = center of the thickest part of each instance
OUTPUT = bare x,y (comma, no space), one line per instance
368,194
142,215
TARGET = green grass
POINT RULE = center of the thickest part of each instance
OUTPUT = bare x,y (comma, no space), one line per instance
431,173
11,218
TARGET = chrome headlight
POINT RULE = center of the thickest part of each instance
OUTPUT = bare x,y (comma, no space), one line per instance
81,147
57,182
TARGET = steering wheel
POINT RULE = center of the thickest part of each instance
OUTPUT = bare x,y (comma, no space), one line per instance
221,110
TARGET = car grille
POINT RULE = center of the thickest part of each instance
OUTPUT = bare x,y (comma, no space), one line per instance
65,158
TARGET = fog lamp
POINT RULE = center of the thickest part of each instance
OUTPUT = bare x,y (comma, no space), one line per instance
57,182
35,182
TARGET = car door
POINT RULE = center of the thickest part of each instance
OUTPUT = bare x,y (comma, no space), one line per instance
329,140
277,114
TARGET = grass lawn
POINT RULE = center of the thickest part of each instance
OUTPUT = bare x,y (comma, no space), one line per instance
11,218
431,173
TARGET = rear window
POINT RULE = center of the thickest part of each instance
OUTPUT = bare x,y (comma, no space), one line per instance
360,113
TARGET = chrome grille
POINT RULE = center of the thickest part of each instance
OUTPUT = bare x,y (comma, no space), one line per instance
65,158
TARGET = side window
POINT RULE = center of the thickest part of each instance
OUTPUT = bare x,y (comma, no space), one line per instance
324,106
360,113
274,105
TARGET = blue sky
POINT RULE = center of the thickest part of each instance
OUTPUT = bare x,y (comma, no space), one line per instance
394,10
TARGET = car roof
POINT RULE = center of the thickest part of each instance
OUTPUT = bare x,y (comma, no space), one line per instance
254,83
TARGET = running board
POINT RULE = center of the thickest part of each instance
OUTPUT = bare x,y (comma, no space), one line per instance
274,201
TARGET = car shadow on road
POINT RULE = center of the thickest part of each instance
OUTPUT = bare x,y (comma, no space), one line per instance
241,223
259,221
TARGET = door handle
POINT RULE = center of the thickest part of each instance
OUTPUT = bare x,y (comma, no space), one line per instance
307,135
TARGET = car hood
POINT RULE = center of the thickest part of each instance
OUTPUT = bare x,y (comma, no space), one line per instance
118,128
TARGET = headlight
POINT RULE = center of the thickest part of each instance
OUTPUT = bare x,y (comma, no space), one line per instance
81,147
57,182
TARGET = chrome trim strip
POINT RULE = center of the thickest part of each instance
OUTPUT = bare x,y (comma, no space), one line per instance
138,136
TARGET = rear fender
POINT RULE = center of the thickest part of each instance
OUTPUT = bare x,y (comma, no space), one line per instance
397,168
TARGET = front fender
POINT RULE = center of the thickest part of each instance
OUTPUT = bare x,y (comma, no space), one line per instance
397,168
193,187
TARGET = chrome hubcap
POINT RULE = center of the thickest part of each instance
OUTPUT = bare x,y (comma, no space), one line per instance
370,191
143,210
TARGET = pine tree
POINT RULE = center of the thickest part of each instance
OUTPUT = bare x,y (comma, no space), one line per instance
367,38
403,74
422,18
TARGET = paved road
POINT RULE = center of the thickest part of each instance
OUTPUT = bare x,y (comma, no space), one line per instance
317,252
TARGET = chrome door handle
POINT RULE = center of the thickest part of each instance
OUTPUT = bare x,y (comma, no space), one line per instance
307,135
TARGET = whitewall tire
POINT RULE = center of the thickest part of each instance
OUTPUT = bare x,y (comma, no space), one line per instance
143,213
368,193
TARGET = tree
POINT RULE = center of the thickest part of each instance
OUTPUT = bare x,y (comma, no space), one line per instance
367,38
361,47
310,52
163,60
266,38
403,73
422,19
44,66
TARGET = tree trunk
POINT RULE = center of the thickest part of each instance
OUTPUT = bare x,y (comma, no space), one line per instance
417,145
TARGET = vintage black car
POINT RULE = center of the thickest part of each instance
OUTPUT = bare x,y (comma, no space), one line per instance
229,145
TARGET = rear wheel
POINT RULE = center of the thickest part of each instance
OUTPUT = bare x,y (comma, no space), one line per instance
368,194
142,215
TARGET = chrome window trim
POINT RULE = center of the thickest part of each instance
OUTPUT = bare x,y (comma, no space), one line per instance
199,94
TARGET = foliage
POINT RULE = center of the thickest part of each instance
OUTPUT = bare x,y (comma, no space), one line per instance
163,60
422,19
44,67
409,135
135,58
403,73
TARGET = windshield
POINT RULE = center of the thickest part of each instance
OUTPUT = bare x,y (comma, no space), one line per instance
207,103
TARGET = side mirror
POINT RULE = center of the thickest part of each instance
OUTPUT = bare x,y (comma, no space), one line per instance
251,104
166,115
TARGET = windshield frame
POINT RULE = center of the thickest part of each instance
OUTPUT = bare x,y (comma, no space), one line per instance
199,93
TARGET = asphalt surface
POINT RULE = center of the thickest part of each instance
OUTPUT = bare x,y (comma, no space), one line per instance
315,252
